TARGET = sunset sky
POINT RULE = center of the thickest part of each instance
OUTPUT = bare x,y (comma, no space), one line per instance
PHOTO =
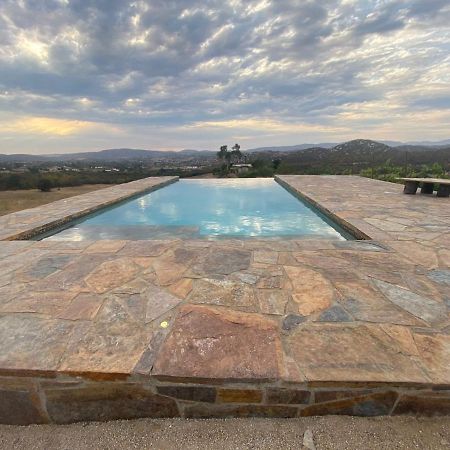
84,75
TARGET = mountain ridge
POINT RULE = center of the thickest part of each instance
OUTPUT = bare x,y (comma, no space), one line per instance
355,146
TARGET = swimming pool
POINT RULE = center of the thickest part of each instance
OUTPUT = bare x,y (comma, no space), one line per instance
206,208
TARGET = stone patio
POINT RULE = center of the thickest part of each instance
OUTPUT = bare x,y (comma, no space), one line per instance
215,328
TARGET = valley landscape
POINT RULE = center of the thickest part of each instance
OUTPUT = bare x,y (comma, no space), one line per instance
357,157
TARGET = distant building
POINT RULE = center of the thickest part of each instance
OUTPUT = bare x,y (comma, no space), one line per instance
240,168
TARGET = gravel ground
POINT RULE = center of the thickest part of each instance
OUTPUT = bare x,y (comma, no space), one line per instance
331,432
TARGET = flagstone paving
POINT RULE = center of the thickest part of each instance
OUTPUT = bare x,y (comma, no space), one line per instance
199,328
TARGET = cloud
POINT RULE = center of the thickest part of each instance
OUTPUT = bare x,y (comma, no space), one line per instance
158,69
48,126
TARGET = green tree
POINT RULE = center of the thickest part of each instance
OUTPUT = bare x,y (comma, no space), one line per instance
236,154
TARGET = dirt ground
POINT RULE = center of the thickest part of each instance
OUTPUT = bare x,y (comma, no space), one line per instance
11,201
331,432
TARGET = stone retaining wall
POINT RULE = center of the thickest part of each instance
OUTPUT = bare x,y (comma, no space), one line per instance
28,400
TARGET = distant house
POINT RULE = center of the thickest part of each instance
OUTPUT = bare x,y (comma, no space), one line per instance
240,168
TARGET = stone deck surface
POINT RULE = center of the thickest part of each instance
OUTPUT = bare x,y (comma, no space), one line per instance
199,328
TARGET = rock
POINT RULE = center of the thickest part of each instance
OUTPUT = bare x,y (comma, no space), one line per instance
308,441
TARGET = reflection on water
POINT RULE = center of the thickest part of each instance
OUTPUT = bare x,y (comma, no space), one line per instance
202,208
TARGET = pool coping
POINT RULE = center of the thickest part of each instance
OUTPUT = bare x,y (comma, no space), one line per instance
88,203
347,226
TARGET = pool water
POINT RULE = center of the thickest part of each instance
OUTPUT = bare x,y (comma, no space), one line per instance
207,208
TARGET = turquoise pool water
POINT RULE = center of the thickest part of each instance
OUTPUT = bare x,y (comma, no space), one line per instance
207,208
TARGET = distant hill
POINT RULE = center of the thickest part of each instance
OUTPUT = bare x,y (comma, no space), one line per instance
361,153
304,154
112,155
290,148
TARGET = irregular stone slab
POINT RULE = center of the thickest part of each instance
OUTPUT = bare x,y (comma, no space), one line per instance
337,352
434,350
316,260
365,303
270,282
248,278
440,276
272,301
385,225
49,303
291,321
264,256
106,246
223,261
181,288
422,285
417,253
367,246
403,338
112,274
210,343
312,291
146,248
444,257
31,343
104,401
335,314
145,364
82,307
72,276
47,265
168,270
105,347
159,302
424,308
223,293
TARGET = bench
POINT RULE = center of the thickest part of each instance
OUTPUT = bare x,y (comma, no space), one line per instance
411,185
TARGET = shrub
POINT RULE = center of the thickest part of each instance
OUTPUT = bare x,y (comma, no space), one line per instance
45,184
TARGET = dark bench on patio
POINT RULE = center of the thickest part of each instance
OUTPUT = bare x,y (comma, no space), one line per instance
411,185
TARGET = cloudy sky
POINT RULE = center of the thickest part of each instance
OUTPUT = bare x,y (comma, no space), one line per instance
172,74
